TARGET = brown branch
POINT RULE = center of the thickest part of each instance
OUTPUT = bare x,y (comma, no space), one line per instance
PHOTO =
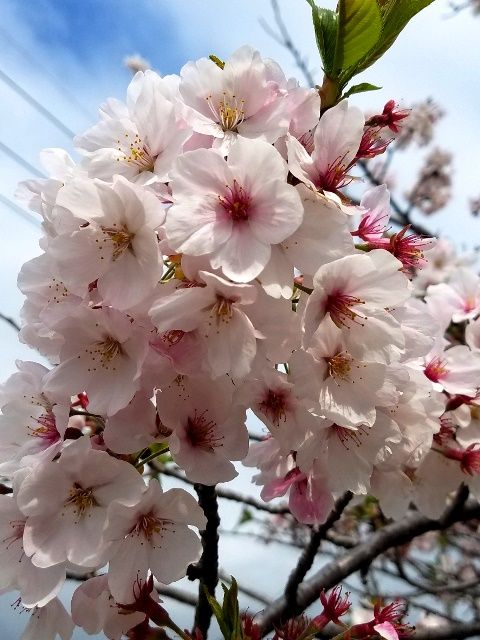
307,558
392,535
207,567
450,632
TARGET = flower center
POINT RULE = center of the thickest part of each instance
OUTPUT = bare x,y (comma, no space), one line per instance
46,429
136,153
228,112
348,436
339,306
148,524
435,369
16,533
120,238
236,202
104,353
81,499
274,405
200,432
339,366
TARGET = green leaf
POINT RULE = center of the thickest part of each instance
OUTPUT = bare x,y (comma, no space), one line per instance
325,23
396,14
246,516
359,88
227,615
218,613
359,29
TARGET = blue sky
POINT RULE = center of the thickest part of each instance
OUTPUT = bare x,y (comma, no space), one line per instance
83,42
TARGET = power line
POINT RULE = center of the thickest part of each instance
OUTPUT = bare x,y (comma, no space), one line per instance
19,211
21,161
53,78
36,105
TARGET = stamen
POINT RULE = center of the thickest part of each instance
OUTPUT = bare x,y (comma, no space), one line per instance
229,112
275,406
81,499
236,202
137,153
121,239
201,434
339,306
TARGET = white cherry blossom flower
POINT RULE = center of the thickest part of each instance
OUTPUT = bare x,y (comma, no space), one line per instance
138,140
232,210
245,98
154,533
66,504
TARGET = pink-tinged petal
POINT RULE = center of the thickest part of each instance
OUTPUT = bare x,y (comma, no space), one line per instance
181,507
279,486
195,225
129,563
231,345
198,172
300,162
39,586
337,136
255,162
277,277
309,502
172,551
277,212
243,257
181,309
386,630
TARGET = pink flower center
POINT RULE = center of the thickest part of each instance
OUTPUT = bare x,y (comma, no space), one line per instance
200,432
275,406
436,369
339,306
236,202
46,429
335,177
469,458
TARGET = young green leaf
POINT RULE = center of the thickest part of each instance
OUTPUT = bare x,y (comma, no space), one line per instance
359,29
360,88
325,23
396,14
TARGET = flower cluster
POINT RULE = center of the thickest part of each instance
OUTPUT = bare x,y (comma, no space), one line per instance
200,261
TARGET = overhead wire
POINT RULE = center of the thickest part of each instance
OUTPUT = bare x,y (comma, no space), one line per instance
52,77
20,160
19,211
35,104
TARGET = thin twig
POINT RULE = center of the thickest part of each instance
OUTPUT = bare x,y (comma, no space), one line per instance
306,559
284,39
10,321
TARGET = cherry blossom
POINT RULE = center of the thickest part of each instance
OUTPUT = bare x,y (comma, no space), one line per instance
233,210
153,533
